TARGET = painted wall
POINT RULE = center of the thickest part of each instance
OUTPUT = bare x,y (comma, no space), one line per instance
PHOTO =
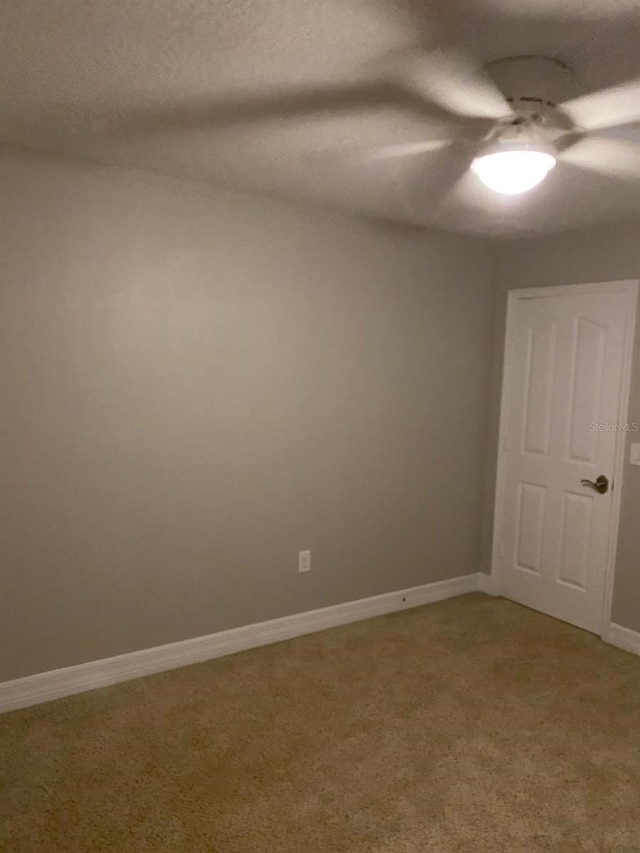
196,385
600,254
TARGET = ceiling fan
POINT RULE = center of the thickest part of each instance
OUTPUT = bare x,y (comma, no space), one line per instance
518,116
511,120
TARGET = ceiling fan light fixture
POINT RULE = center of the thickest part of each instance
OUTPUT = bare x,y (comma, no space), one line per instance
513,168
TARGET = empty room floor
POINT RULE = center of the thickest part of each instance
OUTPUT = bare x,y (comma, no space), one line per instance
469,725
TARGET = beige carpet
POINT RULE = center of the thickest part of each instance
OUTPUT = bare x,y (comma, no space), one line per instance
470,725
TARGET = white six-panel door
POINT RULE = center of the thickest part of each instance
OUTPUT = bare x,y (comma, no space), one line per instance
565,387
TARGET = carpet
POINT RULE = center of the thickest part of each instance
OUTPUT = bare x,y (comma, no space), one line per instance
471,725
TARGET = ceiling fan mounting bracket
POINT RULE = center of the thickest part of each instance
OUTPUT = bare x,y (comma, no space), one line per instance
531,80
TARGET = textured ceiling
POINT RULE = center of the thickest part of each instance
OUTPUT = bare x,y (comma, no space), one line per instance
157,85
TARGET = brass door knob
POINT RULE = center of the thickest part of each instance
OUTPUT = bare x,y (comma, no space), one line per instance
601,484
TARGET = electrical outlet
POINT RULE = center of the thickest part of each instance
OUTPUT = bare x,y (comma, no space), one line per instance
304,561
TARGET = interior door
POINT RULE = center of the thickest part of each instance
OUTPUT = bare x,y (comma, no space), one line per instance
564,371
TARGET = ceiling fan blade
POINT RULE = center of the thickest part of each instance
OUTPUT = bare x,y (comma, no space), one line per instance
429,186
613,157
450,80
607,108
406,149
267,106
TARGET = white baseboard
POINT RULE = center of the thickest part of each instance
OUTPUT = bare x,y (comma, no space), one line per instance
57,683
623,638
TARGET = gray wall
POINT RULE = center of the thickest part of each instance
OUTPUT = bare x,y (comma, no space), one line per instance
599,254
196,386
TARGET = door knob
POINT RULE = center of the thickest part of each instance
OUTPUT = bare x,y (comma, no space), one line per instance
601,484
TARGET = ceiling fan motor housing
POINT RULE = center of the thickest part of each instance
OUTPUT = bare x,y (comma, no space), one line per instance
534,86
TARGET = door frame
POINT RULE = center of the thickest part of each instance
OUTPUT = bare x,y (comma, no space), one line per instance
630,287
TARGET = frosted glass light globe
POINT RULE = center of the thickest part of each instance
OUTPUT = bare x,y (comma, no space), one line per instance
513,172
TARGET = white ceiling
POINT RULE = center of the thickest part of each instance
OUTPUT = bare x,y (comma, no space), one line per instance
153,85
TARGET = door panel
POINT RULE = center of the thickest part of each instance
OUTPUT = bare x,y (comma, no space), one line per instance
540,363
576,531
587,358
564,379
530,525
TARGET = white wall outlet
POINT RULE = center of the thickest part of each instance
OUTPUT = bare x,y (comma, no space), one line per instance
634,453
304,561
